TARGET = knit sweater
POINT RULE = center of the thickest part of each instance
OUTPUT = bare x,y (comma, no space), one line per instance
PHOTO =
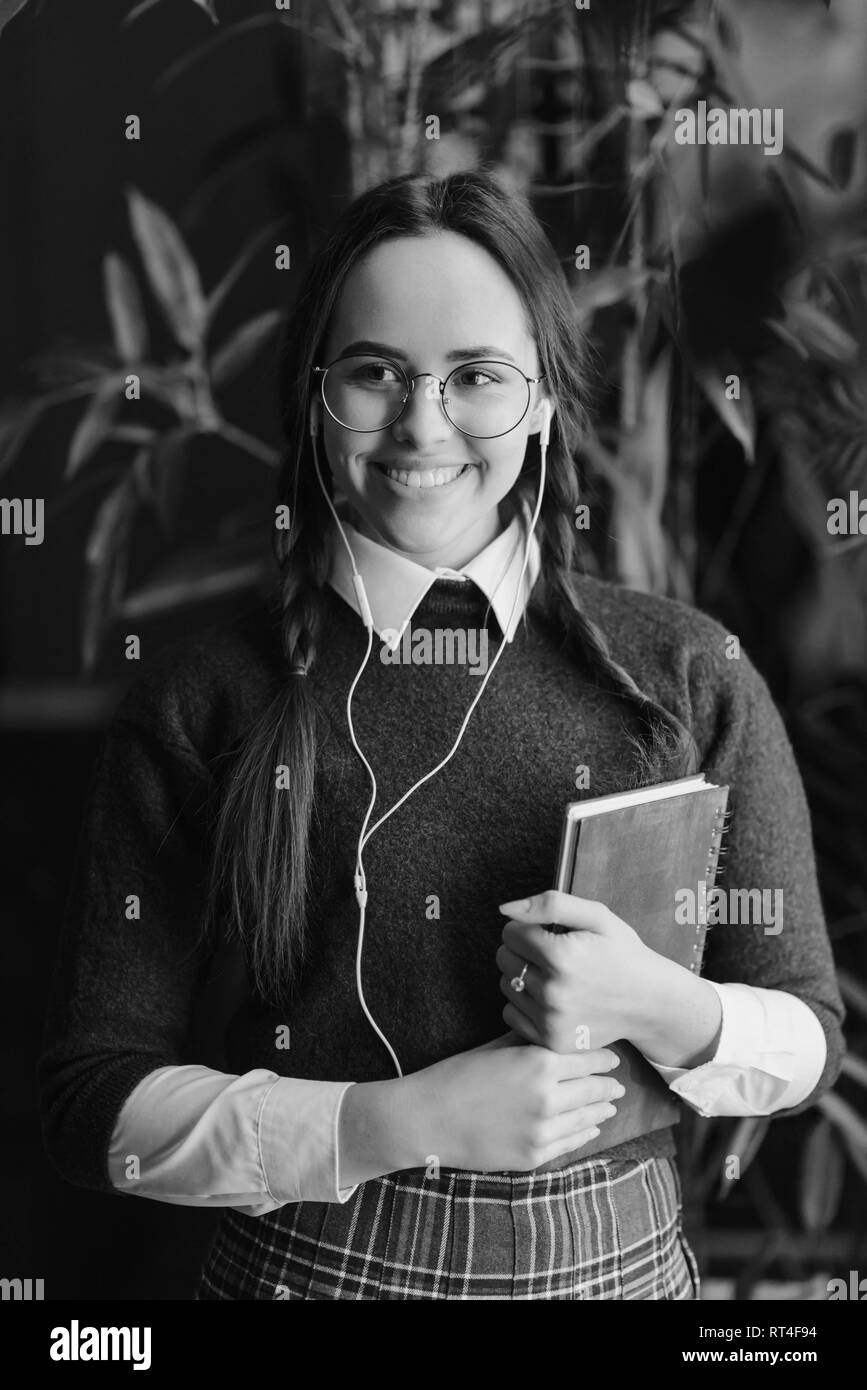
483,831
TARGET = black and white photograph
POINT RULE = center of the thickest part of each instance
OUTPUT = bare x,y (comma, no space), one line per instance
433,668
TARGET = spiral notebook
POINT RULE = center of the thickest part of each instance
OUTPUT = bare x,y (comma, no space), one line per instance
635,851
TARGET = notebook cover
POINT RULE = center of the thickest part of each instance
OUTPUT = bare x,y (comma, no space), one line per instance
634,860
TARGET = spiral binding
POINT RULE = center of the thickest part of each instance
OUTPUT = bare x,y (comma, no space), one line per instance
715,853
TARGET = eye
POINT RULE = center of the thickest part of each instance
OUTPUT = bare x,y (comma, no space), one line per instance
472,378
372,373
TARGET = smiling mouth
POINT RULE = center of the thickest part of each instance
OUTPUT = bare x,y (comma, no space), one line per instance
418,478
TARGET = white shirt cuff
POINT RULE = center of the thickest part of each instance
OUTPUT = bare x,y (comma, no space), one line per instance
298,1140
769,1057
193,1136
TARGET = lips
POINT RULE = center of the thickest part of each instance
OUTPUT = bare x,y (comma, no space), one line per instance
424,478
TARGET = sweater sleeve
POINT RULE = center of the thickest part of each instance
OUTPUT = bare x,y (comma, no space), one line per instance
767,850
128,961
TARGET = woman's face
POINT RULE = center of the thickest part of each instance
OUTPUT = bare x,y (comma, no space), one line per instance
428,303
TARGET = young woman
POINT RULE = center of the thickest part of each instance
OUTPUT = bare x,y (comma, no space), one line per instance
376,1133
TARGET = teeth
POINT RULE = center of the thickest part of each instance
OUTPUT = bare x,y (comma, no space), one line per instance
435,477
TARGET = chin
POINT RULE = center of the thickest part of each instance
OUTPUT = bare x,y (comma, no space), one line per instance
421,539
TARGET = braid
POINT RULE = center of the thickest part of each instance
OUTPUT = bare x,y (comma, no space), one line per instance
302,553
266,887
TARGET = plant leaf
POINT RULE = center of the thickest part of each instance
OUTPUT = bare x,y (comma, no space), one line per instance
230,34
173,387
584,146
106,557
845,1117
853,991
823,1173
809,167
8,10
858,1156
856,1067
819,331
842,155
94,426
103,533
643,100
123,301
739,417
168,474
171,269
18,415
138,11
743,1142
602,288
748,1138
133,434
729,36
788,338
17,418
218,294
242,346
140,476
652,435
73,369
193,578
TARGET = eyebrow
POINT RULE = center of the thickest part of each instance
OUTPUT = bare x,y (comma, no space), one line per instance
457,355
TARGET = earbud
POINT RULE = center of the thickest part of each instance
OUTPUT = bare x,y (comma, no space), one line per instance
545,427
364,606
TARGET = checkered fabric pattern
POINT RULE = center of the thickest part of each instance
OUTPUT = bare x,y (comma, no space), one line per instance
597,1229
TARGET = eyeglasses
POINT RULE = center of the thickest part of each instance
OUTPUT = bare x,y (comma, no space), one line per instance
482,399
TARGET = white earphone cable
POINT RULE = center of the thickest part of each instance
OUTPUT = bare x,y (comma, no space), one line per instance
367,618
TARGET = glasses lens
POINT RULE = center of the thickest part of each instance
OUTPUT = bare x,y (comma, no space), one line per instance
364,393
485,399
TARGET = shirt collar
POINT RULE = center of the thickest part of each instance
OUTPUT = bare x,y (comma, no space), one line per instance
396,585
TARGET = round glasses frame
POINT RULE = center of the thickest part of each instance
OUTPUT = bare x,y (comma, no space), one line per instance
321,373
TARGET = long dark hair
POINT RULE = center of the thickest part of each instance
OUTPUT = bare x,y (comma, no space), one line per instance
261,865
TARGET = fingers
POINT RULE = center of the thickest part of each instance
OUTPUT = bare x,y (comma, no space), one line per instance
531,943
561,1147
511,966
559,909
530,998
522,1025
587,1090
595,1061
566,1066
588,1105
585,1117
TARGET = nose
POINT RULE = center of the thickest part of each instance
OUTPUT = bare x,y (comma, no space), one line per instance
423,422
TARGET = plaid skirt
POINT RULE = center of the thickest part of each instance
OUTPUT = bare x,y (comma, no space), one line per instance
596,1229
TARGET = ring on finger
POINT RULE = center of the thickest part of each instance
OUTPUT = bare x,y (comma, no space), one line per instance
518,982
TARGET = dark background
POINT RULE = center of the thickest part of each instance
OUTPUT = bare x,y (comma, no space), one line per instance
257,132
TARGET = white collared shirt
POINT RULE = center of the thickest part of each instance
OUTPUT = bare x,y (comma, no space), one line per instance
254,1142
396,585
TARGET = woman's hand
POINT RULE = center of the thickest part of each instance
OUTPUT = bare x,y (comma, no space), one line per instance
503,1106
597,982
583,987
497,1107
